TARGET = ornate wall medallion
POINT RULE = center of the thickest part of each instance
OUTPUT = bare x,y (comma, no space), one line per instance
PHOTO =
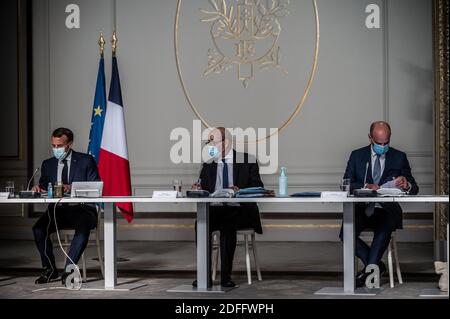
245,34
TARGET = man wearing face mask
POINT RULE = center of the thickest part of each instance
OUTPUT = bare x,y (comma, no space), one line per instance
371,167
66,166
229,169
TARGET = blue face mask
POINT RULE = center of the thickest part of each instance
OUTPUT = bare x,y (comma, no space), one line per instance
213,151
380,150
59,152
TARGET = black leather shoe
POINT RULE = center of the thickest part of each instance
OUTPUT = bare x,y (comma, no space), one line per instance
47,275
64,277
227,284
361,279
194,283
360,273
382,268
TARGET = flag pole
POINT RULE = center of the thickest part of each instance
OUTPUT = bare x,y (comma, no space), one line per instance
101,44
114,43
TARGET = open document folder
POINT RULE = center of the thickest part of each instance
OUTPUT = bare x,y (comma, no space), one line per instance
389,189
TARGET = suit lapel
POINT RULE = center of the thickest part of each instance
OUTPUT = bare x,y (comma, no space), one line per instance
54,170
213,175
387,163
73,164
368,159
235,169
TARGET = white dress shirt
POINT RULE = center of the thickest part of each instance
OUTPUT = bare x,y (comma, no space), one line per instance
219,175
61,166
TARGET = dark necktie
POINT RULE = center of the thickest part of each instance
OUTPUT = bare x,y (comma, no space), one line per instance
225,175
376,176
377,171
64,177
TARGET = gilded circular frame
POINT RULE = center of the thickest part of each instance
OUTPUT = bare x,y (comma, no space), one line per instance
299,105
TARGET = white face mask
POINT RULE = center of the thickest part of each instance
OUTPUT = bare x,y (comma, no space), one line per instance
213,151
59,152
380,149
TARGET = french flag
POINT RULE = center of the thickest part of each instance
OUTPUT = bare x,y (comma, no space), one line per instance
113,165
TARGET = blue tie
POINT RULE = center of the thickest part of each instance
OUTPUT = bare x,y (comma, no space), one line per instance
225,175
377,171
376,176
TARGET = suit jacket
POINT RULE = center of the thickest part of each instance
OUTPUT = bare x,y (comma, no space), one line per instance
244,175
396,164
83,168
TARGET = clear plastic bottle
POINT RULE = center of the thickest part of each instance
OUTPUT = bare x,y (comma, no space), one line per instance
50,190
283,183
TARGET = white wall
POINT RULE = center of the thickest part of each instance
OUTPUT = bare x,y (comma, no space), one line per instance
363,75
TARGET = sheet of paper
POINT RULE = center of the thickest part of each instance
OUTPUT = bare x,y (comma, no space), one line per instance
165,194
390,184
390,192
4,195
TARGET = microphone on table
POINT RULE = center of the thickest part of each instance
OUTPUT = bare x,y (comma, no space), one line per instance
365,175
363,192
28,193
199,193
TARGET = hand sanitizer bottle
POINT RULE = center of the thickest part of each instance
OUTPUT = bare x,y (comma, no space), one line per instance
283,183
50,190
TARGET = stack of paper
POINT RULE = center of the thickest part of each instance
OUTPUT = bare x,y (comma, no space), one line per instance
390,192
390,189
255,192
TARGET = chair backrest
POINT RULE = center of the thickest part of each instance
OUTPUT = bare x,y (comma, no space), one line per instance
248,231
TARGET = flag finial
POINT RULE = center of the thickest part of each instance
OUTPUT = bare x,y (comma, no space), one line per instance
114,42
101,43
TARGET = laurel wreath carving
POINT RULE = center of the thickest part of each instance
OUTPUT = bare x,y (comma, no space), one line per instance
265,24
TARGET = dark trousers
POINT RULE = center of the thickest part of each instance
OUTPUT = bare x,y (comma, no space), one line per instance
80,218
224,219
382,223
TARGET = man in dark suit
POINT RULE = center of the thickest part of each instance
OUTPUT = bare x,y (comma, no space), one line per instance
229,169
66,166
371,167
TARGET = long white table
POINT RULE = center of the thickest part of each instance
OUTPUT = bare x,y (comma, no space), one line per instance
203,266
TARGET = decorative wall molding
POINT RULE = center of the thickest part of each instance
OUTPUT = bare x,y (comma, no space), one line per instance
314,171
269,215
441,71
17,167
16,172
414,154
267,185
147,177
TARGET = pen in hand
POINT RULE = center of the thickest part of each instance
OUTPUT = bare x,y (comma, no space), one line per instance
198,184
